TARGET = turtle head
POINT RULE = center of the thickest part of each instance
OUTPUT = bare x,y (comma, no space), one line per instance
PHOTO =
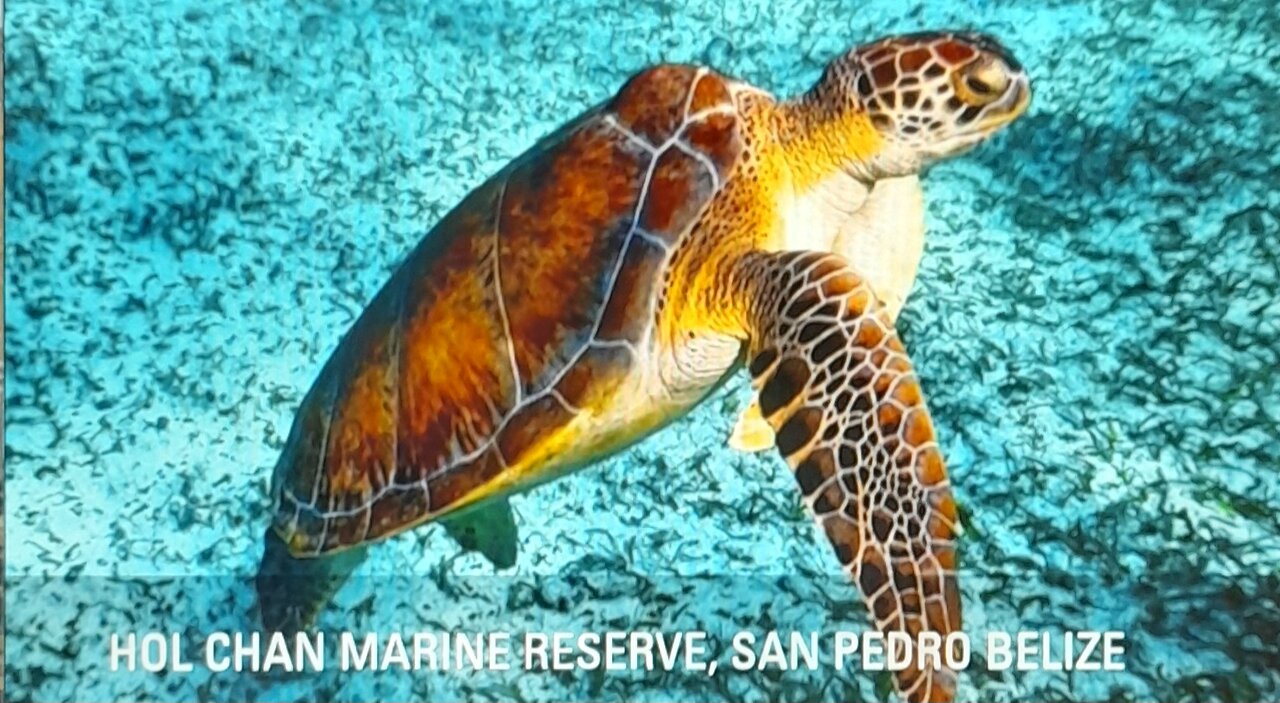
925,96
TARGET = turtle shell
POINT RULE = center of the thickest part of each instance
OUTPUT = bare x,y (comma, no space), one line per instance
507,318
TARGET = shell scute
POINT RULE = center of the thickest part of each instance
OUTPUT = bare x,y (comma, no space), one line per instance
710,92
594,376
449,487
678,189
455,380
396,507
527,426
717,137
652,104
565,219
626,316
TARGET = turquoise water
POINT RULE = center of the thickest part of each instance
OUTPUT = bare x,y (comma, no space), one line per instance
200,198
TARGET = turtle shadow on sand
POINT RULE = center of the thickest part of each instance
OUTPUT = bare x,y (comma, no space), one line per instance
1071,165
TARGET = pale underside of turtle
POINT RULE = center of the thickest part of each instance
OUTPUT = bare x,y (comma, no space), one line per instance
600,287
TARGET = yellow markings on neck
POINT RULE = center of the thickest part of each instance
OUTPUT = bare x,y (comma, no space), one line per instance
820,139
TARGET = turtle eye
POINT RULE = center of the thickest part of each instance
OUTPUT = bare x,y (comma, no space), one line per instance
983,81
979,86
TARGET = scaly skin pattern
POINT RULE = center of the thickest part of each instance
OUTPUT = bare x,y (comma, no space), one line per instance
606,281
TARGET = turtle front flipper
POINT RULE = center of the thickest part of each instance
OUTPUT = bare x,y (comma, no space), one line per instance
291,590
836,385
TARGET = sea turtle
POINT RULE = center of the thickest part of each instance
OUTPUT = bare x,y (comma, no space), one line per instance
609,279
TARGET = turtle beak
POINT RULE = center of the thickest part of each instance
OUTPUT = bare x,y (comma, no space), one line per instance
1019,96
1010,106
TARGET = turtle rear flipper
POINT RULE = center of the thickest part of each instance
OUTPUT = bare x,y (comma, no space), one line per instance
292,591
489,529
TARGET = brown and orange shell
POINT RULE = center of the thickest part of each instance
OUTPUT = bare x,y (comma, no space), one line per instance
507,317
